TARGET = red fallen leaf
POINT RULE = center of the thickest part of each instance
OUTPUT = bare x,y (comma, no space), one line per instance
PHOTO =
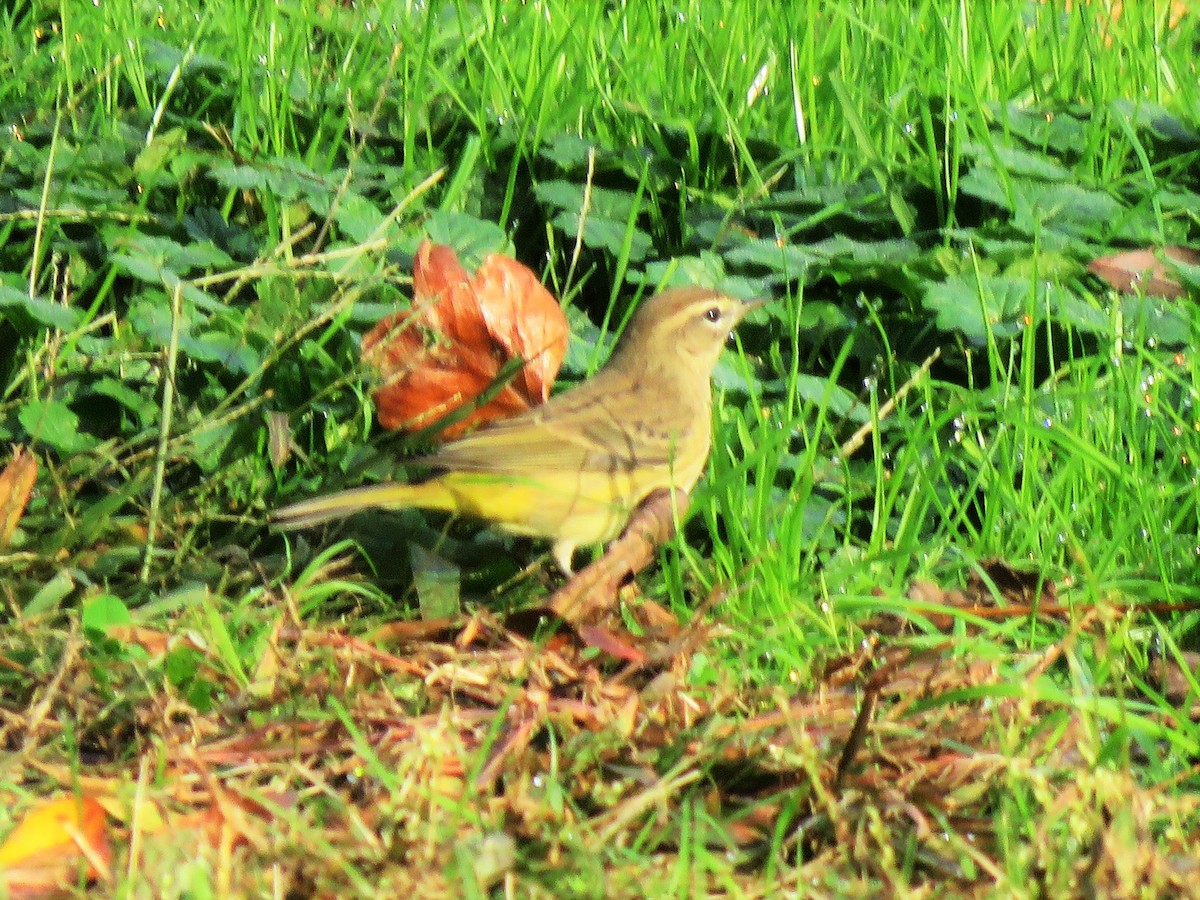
16,484
461,331
620,646
1143,270
41,854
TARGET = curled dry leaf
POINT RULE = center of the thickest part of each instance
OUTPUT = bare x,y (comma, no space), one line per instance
461,332
525,320
16,484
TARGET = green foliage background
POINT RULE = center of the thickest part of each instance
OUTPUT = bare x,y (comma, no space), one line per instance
202,207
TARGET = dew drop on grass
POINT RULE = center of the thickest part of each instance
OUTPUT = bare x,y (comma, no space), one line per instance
1047,422
1151,342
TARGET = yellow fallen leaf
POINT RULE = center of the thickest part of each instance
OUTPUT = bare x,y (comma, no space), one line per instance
51,840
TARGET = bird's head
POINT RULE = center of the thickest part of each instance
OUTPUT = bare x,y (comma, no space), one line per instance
683,327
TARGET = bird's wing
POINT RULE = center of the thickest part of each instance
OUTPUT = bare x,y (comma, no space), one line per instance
578,431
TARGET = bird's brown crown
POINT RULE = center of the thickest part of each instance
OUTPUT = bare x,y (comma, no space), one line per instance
686,325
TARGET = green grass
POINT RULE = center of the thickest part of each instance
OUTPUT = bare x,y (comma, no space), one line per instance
202,212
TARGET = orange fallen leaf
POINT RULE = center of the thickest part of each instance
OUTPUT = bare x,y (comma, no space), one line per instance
462,330
45,849
525,320
1144,271
16,485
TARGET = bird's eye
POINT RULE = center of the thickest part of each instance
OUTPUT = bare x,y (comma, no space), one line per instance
713,314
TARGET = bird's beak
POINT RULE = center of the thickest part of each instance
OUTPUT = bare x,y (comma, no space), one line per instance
750,306
747,307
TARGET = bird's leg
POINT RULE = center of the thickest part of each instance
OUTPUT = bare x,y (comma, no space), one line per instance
593,590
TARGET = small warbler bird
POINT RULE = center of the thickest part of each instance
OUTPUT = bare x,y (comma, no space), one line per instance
574,469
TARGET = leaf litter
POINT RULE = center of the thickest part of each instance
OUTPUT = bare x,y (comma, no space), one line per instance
506,750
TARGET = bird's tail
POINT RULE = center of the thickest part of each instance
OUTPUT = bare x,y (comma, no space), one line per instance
391,495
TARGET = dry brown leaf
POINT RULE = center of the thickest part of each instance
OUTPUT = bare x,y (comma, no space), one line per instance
1143,271
1017,587
405,632
16,486
1175,676
996,590
446,351
152,640
279,439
